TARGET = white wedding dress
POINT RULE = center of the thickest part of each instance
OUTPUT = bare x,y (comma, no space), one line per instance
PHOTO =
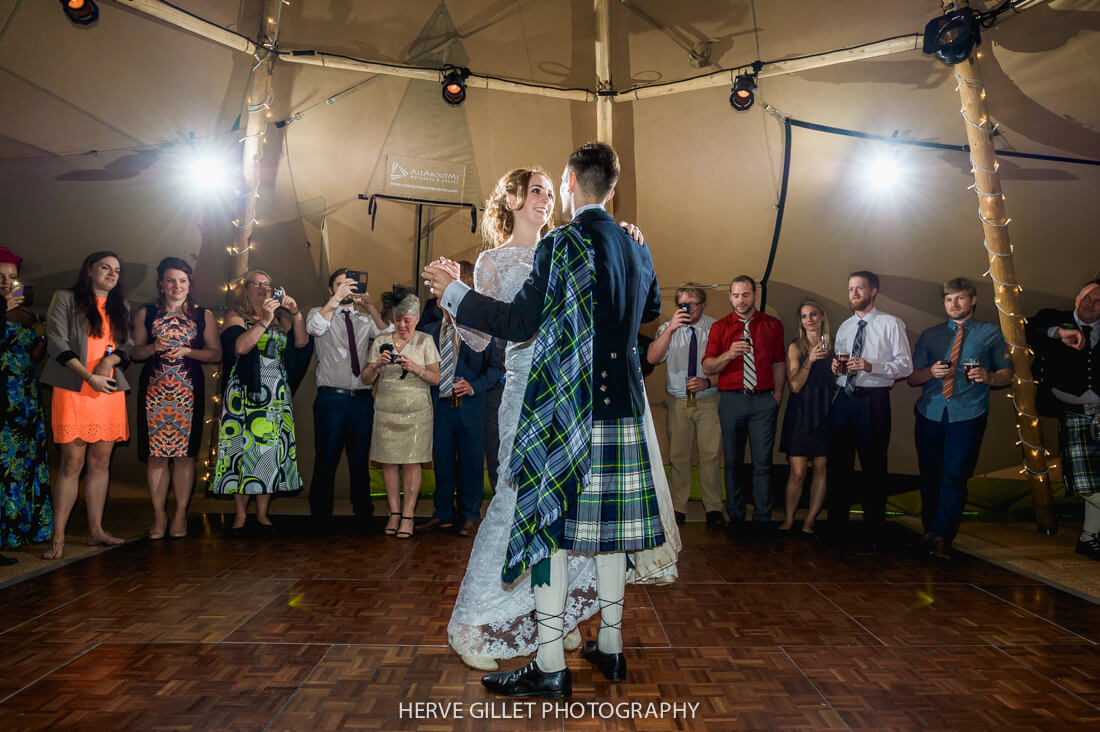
491,619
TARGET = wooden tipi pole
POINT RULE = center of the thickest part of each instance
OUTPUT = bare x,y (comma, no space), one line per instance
255,113
991,211
604,104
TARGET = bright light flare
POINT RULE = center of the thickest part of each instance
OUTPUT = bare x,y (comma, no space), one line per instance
208,174
883,171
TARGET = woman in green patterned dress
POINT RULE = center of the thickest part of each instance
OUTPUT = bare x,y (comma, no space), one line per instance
257,455
26,514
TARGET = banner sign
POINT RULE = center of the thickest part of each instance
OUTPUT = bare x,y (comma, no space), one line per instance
419,178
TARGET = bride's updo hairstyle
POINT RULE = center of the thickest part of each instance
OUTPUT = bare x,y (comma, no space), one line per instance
498,221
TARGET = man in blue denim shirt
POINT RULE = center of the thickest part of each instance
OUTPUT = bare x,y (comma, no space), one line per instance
956,363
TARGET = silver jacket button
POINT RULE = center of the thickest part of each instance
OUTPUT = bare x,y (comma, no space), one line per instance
607,400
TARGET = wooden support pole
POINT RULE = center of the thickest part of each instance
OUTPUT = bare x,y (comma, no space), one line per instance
255,113
198,26
604,106
991,211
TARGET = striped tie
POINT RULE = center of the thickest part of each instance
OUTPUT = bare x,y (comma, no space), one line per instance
956,350
748,380
447,360
857,350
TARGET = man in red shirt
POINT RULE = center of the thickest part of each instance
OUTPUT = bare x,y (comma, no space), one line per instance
745,349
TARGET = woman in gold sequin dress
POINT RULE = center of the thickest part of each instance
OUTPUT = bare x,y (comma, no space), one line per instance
403,366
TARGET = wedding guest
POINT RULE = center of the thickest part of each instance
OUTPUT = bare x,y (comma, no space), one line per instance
26,513
89,339
343,412
402,366
805,435
177,337
257,452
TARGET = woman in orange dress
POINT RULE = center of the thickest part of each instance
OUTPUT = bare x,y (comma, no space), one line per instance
89,339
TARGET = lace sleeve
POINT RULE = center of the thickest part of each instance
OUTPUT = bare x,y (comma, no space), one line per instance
486,281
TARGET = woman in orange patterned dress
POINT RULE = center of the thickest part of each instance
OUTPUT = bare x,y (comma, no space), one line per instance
177,337
89,340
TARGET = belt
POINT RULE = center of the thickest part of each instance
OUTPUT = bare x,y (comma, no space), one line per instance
1087,410
750,392
343,392
863,390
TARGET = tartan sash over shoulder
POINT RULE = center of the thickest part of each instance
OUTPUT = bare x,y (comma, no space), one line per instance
551,458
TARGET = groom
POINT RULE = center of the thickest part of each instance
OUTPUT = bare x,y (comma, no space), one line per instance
580,460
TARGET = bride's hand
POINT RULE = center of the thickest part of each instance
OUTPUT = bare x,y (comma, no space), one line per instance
633,231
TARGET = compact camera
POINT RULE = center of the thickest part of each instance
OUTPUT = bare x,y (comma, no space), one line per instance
278,294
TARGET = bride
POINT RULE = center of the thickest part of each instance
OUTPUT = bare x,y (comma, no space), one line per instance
493,621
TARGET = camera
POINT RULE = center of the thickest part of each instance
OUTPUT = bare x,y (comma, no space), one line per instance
686,307
278,294
388,348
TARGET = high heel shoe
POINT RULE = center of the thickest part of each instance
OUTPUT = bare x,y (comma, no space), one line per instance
405,534
392,532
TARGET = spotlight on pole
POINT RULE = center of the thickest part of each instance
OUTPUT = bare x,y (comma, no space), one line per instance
454,85
81,12
952,37
742,94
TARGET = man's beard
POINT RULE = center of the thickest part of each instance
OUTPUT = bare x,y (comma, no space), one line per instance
860,304
347,301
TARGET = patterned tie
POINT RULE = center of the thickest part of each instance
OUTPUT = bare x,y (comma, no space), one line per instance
352,347
447,361
748,380
956,350
857,350
693,354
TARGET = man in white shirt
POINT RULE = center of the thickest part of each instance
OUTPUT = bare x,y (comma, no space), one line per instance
878,355
343,412
680,345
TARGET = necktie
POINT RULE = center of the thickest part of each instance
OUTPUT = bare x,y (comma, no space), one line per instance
693,354
956,350
1086,331
857,350
447,361
748,380
352,347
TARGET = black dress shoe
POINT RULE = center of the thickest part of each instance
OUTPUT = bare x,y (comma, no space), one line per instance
715,520
1090,548
530,680
681,517
7,561
611,665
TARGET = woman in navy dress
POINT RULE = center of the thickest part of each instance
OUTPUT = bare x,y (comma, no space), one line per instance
806,424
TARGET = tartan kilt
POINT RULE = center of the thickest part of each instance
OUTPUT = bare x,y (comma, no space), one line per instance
1080,454
617,511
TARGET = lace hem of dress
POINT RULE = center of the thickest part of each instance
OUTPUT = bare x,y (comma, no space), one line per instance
64,433
518,636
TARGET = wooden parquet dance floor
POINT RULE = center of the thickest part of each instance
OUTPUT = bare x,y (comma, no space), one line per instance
345,632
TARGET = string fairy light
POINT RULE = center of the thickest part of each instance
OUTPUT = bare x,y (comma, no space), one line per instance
1030,451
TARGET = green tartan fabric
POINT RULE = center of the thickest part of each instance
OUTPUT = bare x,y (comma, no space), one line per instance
551,457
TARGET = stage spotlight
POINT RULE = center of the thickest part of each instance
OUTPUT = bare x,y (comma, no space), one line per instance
209,174
742,96
81,12
883,170
951,37
454,85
